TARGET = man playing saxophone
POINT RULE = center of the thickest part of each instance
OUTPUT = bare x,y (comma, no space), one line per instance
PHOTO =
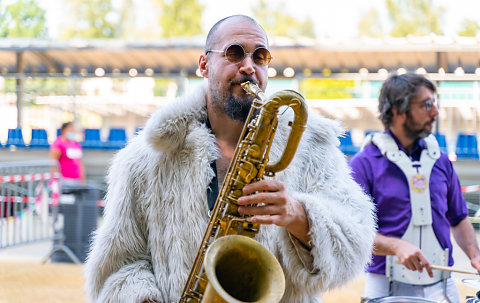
315,219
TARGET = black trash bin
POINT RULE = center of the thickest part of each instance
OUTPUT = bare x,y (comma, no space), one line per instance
78,205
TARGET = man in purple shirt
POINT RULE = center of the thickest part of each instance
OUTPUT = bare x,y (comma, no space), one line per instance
403,170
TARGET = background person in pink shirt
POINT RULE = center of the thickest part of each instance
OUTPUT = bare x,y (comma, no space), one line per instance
68,153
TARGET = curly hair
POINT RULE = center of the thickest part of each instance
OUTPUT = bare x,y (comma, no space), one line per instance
397,92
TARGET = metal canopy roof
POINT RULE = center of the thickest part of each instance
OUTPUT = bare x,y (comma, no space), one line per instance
180,55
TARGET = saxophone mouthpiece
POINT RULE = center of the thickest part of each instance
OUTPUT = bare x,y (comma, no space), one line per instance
253,89
248,87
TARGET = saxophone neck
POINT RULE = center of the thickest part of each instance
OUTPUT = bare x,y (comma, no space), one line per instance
268,116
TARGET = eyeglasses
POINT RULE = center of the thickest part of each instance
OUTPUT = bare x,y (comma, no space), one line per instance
428,104
235,53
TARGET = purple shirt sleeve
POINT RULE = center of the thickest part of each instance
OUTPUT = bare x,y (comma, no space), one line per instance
457,207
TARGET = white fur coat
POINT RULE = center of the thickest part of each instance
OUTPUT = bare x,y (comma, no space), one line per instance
156,211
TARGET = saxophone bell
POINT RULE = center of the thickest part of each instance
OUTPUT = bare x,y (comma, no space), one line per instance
239,269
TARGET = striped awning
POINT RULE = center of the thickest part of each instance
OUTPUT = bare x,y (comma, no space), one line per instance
179,56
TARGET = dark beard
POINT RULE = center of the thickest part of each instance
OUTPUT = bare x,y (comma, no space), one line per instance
412,133
237,108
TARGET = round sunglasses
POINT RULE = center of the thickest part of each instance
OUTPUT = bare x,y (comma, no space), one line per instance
235,53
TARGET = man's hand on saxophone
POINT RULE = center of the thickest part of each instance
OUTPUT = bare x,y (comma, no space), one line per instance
278,207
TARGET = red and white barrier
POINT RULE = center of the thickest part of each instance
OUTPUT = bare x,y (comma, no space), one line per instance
16,199
29,177
29,194
470,189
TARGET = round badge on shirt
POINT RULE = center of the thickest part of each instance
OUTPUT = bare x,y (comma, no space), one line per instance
419,183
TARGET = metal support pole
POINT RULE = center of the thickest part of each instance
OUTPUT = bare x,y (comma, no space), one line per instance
74,99
438,97
19,88
182,83
441,63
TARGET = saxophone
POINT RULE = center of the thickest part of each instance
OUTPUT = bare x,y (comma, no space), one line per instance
230,266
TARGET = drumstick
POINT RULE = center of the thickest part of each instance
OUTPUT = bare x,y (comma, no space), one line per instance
446,268
451,269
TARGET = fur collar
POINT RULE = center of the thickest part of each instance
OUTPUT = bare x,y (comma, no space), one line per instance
168,127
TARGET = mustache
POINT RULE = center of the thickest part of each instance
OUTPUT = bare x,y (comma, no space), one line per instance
431,121
243,79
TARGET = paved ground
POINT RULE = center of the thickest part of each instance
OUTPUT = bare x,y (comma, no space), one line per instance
23,278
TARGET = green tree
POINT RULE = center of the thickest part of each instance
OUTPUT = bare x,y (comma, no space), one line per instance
23,18
127,28
469,28
92,19
414,17
180,18
277,22
370,25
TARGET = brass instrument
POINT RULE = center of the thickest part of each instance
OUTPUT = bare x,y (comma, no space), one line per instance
238,268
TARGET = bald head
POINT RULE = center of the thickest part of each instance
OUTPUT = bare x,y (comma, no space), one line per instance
212,37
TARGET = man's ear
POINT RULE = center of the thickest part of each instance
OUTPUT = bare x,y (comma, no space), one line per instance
203,65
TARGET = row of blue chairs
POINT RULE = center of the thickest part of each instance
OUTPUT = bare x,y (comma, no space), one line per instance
467,145
117,139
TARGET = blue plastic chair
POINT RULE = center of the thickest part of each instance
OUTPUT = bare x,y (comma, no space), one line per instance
138,130
39,139
15,138
92,139
467,146
346,144
442,142
461,147
473,146
117,138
